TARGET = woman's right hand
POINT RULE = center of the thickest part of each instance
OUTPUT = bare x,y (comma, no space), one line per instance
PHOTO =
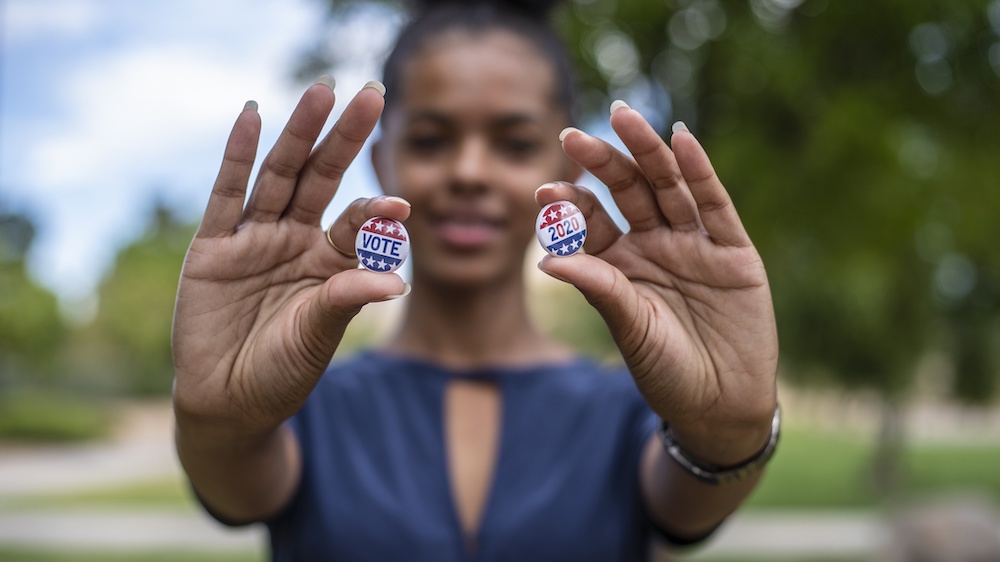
264,298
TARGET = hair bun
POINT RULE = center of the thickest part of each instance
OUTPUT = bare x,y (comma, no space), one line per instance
534,8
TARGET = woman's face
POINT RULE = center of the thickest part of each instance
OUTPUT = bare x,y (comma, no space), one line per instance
467,143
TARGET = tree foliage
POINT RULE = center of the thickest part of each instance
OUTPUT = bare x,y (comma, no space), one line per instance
31,329
858,140
133,320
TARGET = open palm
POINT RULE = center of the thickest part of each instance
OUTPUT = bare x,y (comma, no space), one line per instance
684,292
264,299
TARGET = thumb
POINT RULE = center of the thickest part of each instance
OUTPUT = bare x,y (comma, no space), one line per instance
324,317
604,286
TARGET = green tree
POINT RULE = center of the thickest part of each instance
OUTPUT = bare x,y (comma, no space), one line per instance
858,140
31,329
131,329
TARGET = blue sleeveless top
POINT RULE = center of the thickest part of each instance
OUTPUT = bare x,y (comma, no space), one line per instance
375,479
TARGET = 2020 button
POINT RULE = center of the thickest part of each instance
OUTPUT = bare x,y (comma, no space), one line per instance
561,228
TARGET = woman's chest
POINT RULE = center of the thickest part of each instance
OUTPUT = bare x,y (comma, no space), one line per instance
479,473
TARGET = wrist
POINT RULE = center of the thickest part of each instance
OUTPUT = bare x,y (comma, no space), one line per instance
724,460
724,447
195,430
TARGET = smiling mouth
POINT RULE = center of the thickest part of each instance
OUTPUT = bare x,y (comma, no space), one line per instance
467,232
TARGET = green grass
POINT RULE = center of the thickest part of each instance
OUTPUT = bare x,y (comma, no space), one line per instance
823,470
20,555
168,494
929,469
43,415
812,470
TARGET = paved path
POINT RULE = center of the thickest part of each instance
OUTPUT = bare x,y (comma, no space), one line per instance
53,470
124,530
799,535
140,450
788,536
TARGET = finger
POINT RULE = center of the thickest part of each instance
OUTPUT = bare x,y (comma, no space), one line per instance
715,207
225,204
604,286
325,168
626,182
281,168
659,165
325,316
602,231
343,232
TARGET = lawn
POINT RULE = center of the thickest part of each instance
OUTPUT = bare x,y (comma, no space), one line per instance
812,470
822,470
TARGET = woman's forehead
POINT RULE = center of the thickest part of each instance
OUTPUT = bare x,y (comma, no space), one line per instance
497,69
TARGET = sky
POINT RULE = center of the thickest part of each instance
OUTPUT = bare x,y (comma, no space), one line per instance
107,106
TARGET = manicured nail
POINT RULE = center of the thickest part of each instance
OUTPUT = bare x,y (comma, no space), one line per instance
679,126
565,133
251,105
377,86
616,105
550,185
327,80
396,199
406,291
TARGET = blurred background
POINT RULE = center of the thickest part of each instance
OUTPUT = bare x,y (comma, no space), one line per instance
859,140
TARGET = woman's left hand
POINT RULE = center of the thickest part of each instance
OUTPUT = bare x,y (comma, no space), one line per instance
684,292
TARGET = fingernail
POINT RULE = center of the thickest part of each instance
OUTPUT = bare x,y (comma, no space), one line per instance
396,199
679,126
251,105
565,133
406,291
550,185
377,86
327,80
616,105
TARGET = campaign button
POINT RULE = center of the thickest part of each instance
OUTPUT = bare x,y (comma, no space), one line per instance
382,244
561,228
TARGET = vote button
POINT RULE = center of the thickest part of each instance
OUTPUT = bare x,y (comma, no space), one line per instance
382,244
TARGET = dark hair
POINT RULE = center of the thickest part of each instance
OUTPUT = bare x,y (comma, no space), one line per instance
526,18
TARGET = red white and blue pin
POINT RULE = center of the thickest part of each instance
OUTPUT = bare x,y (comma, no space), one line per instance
561,228
382,244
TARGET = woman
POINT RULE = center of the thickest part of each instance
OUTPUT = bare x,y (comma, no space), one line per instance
470,434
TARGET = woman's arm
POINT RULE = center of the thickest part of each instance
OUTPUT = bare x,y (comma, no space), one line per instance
686,298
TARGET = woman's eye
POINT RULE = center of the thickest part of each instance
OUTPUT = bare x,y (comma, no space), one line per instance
519,147
426,143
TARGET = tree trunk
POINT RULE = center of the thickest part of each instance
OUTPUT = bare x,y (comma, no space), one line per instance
887,460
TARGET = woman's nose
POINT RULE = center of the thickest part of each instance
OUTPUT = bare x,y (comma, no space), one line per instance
471,165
